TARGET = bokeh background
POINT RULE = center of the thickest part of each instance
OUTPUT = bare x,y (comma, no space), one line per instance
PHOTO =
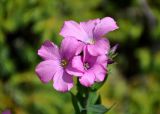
134,80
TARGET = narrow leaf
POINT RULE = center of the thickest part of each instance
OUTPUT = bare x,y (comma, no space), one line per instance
96,109
75,103
93,98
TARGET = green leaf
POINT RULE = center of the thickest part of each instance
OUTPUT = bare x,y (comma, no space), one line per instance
82,89
98,100
96,109
93,98
75,103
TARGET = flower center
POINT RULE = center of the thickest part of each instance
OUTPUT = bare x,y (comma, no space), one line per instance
64,63
86,66
92,41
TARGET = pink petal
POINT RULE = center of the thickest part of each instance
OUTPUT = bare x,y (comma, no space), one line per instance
87,56
73,71
99,72
70,47
46,70
101,47
80,48
63,82
92,50
77,63
87,79
89,28
106,25
73,29
102,60
49,51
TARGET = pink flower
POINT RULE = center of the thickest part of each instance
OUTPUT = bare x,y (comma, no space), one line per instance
91,33
56,62
90,68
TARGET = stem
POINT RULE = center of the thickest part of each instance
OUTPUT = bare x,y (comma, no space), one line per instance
86,99
82,96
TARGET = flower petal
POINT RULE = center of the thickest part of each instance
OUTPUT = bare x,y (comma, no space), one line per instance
102,60
92,50
63,82
101,47
77,63
46,70
73,71
70,47
87,57
87,79
73,29
49,51
106,25
99,72
89,28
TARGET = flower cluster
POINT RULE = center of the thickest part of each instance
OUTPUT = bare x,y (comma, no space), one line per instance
83,53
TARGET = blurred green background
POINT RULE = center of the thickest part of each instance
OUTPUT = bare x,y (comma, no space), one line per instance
134,81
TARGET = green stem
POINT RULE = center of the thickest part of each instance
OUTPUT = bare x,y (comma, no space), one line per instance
87,99
82,96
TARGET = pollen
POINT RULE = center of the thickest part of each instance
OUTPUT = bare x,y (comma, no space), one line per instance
92,41
64,63
86,66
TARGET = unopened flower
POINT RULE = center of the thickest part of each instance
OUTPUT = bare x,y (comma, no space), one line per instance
91,33
90,68
112,54
56,62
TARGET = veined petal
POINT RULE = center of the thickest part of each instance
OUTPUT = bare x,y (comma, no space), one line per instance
99,72
102,60
70,47
73,71
105,25
101,47
46,70
63,82
89,28
88,57
87,79
49,51
77,63
73,29
92,50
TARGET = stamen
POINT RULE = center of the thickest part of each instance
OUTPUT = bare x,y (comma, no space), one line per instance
86,66
64,63
93,41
